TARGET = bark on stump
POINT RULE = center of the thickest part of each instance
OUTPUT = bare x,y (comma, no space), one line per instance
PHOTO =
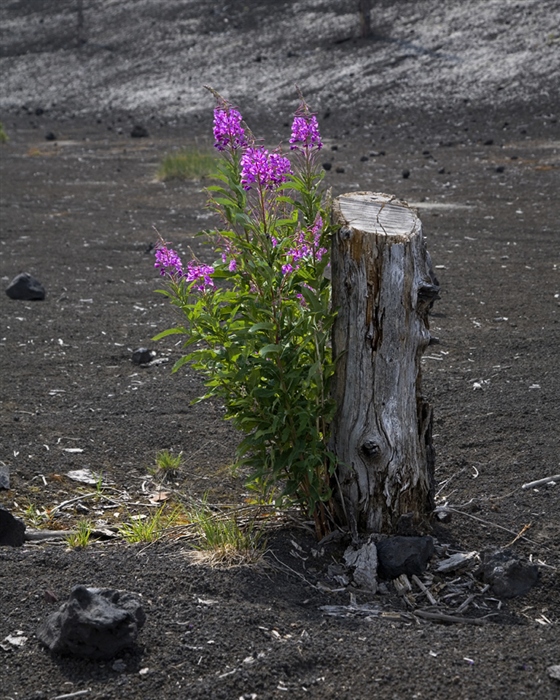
382,286
364,10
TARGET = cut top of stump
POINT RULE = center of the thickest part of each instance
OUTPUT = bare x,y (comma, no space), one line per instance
378,213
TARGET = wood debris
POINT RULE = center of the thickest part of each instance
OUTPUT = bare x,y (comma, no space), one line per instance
541,482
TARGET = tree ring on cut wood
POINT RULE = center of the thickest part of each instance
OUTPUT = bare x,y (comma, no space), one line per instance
383,286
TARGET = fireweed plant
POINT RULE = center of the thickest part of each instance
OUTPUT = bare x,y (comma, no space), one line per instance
258,321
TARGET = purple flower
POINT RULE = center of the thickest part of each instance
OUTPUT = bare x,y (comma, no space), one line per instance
168,261
287,268
305,133
263,169
200,274
232,267
306,246
228,132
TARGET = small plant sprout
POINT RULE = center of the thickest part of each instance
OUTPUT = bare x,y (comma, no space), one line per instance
3,134
99,487
167,464
35,517
80,538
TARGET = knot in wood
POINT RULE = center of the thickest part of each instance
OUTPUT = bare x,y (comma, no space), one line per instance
371,448
428,292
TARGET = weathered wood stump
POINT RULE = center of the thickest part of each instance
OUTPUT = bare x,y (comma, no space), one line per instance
364,10
382,286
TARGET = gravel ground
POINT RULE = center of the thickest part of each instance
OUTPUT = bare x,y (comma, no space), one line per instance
461,95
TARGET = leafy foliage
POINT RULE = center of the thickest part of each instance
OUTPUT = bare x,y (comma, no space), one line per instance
258,322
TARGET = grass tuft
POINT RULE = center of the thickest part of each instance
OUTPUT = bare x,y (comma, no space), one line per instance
147,528
81,537
187,164
222,540
167,465
36,517
3,134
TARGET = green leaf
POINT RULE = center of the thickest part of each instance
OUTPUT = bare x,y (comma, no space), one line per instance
170,331
180,362
261,326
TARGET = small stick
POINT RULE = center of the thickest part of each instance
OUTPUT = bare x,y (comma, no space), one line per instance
541,482
464,605
520,534
424,589
487,522
84,497
441,617
77,694
48,534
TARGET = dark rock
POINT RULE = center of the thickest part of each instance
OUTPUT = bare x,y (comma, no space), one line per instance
141,356
363,159
39,111
139,132
327,166
50,136
489,142
404,555
500,168
12,530
25,286
406,173
95,623
508,576
340,169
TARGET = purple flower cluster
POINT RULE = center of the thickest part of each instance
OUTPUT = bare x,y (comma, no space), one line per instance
305,133
168,261
307,245
263,169
200,274
228,132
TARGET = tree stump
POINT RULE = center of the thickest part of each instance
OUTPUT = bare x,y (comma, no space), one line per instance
364,10
382,286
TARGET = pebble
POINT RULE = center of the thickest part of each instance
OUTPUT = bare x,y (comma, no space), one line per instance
142,356
139,132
